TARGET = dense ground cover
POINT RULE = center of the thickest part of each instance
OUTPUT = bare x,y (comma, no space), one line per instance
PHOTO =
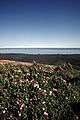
38,92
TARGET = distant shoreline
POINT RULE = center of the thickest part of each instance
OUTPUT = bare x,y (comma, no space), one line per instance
40,51
51,59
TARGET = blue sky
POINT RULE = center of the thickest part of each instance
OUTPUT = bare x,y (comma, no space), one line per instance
40,23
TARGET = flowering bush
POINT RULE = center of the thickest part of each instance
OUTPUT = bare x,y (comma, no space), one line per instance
38,92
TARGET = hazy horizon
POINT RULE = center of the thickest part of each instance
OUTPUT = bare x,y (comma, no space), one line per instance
36,48
43,47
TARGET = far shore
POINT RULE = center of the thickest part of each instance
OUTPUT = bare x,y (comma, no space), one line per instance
50,59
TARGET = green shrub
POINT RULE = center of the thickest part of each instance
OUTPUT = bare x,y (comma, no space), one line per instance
37,92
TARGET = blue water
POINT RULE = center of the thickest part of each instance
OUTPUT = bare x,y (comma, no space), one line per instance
41,50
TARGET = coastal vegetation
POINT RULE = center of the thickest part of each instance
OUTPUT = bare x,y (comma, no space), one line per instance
38,92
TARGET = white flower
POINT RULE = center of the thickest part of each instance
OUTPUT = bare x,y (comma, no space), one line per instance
11,116
35,84
45,113
26,98
39,88
74,97
46,81
28,74
4,111
44,90
36,75
43,108
5,108
50,92
43,102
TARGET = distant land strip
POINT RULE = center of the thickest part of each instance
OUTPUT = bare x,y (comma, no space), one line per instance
48,59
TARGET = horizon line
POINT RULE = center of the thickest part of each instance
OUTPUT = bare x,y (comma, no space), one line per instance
40,47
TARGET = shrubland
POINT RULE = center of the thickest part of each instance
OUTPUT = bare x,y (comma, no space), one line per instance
39,92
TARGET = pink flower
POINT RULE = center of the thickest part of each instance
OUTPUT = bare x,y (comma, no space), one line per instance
12,76
22,105
15,82
47,77
44,76
45,113
19,71
26,107
30,99
42,67
15,70
26,80
45,94
20,108
19,114
34,61
66,98
50,92
17,102
64,81
54,89
21,80
21,76
16,75
43,102
53,94
74,97
31,81
35,84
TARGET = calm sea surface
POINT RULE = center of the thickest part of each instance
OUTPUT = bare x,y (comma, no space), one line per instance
41,50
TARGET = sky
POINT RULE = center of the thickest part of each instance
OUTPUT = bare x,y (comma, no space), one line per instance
40,23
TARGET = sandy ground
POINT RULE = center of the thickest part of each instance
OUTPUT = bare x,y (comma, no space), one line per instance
23,63
14,62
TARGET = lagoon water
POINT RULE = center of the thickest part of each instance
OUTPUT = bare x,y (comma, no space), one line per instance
41,50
